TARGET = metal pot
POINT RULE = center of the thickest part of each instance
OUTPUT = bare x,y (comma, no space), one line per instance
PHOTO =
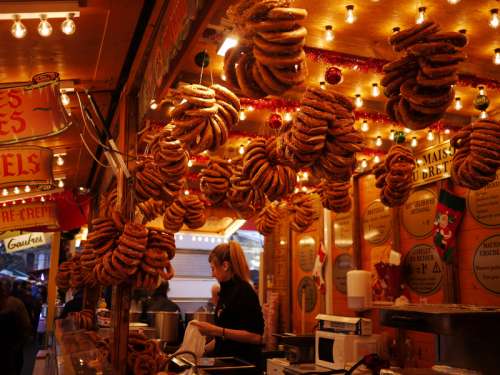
202,316
166,324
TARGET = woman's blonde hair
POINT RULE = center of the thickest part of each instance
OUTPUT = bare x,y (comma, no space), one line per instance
233,253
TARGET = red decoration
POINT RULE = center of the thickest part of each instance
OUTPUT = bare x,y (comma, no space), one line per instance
333,75
275,121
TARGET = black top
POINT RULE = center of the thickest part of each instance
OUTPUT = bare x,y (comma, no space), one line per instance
238,308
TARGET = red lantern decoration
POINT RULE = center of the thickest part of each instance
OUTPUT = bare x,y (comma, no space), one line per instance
333,75
275,121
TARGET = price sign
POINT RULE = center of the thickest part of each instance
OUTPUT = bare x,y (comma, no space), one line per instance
423,269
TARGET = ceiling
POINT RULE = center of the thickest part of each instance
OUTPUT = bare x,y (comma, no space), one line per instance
367,37
90,59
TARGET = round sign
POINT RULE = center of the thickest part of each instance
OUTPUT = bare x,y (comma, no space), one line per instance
342,228
423,270
484,204
487,264
307,253
376,223
308,288
419,211
343,264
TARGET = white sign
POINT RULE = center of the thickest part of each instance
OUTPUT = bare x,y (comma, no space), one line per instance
24,241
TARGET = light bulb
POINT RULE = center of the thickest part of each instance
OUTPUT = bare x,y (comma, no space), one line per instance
453,1
483,115
447,131
60,184
16,190
18,30
420,161
27,189
223,76
190,163
243,115
23,201
44,27
376,159
186,192
5,192
304,189
358,101
305,175
153,104
329,36
59,160
496,59
364,126
349,14
391,135
482,91
68,26
430,135
364,163
378,141
251,108
241,150
421,15
407,130
375,90
65,99
322,85
4,204
42,199
458,103
414,142
494,20
288,116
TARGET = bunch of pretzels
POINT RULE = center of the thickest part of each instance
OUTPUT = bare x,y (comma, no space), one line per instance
419,85
335,195
302,211
268,218
186,209
215,180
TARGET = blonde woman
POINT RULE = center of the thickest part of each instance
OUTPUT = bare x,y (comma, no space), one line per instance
239,324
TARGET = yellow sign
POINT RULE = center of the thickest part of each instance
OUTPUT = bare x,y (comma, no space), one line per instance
28,216
377,223
419,211
484,204
26,165
433,164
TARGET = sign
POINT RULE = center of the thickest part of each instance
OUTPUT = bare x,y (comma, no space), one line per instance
343,264
433,164
486,264
307,286
423,269
377,223
484,204
307,253
27,165
342,228
419,212
24,241
31,112
28,216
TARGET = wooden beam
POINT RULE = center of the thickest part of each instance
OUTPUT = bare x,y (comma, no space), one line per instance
356,224
52,288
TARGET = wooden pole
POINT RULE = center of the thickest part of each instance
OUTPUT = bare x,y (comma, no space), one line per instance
52,288
356,224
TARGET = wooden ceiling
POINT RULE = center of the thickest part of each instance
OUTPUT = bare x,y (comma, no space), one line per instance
91,59
367,37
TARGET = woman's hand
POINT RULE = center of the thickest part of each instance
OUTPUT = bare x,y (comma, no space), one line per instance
207,329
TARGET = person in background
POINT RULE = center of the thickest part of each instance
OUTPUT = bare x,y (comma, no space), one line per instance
15,328
73,305
159,300
239,323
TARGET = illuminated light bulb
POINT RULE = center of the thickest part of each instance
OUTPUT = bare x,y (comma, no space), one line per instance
68,26
186,192
494,20
4,204
447,131
364,126
16,190
18,30
407,130
42,199
296,190
223,76
391,135
414,142
60,184
396,29
23,201
5,192
375,90
376,159
329,36
181,237
322,85
27,189
282,242
243,115
496,58
153,104
378,141
44,27
288,116
241,150
430,135
13,203
483,115
458,104
453,1
228,43
65,99
190,163
358,101
250,108
305,175
349,14
304,189
420,161
59,160
482,91
229,160
364,163
421,15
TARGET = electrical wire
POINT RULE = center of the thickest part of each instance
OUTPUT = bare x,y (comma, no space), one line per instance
91,154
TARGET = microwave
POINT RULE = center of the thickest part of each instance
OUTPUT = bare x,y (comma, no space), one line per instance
339,351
